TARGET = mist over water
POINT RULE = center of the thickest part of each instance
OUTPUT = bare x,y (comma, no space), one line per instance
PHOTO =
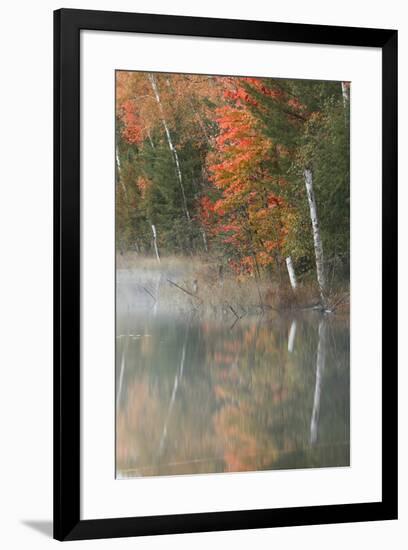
205,393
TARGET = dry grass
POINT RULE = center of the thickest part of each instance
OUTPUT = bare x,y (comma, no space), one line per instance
133,260
199,283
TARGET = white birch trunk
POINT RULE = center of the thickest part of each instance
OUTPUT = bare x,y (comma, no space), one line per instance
345,91
199,119
291,272
155,242
318,246
320,366
119,168
204,240
173,150
117,159
150,139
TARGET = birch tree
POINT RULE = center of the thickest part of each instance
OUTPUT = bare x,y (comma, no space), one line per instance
345,91
225,164
173,150
291,272
317,240
118,172
155,242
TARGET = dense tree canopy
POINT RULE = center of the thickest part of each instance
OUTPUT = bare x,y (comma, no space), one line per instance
217,165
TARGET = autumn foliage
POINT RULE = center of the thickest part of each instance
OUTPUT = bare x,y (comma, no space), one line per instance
215,163
248,213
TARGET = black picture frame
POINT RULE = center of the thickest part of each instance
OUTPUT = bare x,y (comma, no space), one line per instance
67,26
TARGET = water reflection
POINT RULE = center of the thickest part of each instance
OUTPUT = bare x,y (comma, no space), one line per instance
199,395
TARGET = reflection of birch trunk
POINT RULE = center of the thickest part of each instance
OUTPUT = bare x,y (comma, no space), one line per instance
122,370
176,384
173,150
292,335
320,365
155,242
157,293
317,240
291,272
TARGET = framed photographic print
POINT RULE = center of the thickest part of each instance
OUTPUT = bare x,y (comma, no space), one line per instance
225,274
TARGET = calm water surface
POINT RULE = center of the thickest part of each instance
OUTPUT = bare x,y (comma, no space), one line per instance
213,394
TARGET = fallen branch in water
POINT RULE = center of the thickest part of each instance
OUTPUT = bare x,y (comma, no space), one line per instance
184,290
233,311
263,307
148,292
244,310
234,323
338,302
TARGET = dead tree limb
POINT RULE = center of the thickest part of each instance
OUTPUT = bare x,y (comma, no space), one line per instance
233,311
184,290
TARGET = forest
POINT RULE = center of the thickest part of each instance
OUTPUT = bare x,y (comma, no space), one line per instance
242,183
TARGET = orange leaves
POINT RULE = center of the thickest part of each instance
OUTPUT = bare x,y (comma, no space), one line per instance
132,130
207,213
240,150
240,168
143,184
274,201
232,169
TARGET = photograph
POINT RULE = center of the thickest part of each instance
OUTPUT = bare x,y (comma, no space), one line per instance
232,247
204,275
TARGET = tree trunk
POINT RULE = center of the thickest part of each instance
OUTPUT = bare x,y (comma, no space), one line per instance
117,159
291,272
318,246
119,169
345,91
150,139
155,242
204,240
173,150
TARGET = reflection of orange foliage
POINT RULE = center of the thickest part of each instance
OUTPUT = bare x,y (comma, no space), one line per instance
146,345
250,396
223,358
138,424
243,450
232,345
221,392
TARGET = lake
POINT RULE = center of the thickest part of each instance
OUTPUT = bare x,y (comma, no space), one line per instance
213,393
